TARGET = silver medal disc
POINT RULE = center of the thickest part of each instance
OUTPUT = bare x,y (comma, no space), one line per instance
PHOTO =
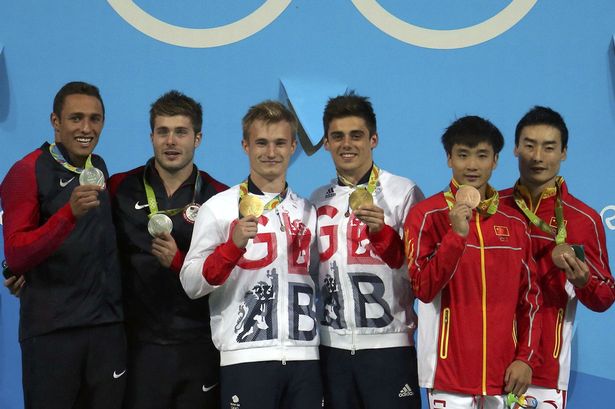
158,224
92,176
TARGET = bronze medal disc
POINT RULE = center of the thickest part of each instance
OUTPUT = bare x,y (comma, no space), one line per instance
360,197
251,206
556,254
92,176
468,195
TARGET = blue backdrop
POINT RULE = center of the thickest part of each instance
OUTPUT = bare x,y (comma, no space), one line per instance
423,63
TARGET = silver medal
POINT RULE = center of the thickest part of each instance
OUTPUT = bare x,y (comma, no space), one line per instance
158,224
92,176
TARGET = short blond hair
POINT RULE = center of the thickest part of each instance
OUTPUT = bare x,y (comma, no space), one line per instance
269,112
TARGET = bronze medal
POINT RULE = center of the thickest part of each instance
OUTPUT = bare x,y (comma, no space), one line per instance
360,197
556,254
468,195
251,206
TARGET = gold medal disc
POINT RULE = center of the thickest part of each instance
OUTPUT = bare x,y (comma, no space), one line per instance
468,195
556,254
251,206
360,197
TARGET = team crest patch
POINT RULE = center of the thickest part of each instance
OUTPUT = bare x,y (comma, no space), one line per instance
553,223
501,231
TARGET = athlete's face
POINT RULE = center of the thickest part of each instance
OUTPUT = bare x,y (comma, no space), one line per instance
350,144
473,166
269,148
174,142
540,154
79,126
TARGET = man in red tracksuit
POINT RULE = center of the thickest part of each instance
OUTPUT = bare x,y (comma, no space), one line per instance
473,272
541,140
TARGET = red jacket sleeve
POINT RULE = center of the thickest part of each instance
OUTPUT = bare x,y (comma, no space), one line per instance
529,320
26,243
219,264
389,246
432,260
599,292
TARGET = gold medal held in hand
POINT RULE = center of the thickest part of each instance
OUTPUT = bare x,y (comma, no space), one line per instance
251,206
360,197
556,254
468,195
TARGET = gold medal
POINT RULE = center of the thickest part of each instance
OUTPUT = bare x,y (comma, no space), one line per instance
468,195
360,197
251,206
556,254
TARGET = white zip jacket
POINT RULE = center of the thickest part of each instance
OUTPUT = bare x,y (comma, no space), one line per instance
264,311
364,303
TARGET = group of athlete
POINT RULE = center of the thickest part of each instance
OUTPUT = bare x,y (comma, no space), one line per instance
161,287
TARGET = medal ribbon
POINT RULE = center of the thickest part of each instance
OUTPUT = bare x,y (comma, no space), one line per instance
487,207
560,236
57,155
272,204
153,204
371,184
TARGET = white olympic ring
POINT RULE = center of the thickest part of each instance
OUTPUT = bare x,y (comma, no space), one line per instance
199,37
370,9
444,39
608,221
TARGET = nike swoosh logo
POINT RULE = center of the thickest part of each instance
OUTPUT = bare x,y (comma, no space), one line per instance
207,389
64,184
140,206
117,375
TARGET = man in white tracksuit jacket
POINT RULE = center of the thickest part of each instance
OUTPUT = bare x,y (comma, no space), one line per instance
256,268
366,312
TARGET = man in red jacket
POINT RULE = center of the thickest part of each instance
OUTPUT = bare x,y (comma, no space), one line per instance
556,218
471,267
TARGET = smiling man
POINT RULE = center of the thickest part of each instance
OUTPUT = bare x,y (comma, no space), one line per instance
59,234
366,314
471,267
172,362
556,217
251,250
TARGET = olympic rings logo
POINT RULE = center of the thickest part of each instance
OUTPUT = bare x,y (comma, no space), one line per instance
270,10
610,220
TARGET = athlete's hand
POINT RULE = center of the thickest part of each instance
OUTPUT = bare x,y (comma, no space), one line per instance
244,230
84,198
15,284
577,271
518,377
372,216
164,249
459,217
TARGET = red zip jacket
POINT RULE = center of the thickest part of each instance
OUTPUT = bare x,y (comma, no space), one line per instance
584,227
478,297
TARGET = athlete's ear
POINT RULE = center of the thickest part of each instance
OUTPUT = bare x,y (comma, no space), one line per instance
197,139
55,121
